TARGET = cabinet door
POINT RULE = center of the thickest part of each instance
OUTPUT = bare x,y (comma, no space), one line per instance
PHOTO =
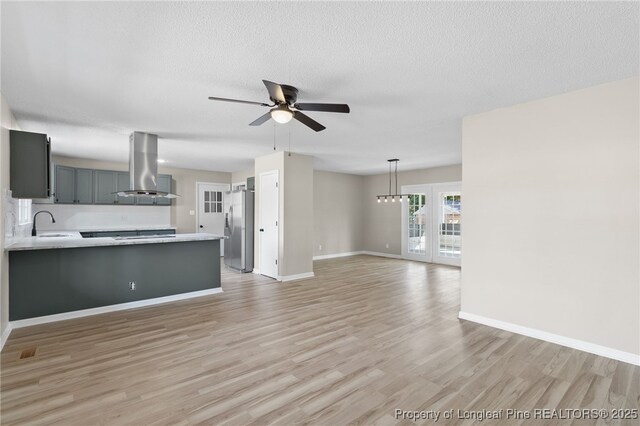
30,160
164,185
104,186
84,186
65,185
123,184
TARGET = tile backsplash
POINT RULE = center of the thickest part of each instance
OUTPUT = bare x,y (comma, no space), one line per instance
12,229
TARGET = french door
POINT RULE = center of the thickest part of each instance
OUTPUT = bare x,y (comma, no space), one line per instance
432,223
416,223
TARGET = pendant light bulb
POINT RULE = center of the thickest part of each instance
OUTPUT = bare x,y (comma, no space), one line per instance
378,199
385,199
401,198
393,199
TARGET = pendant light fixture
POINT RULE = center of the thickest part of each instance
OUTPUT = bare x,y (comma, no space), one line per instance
393,163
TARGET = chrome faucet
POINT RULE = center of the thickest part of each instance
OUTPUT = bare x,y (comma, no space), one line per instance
33,229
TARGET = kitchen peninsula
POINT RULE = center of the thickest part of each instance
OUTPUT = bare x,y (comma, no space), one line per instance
63,272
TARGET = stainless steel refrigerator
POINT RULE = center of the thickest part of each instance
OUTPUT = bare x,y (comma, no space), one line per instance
238,228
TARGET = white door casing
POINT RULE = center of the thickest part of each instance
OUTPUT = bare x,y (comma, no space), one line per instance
268,235
210,211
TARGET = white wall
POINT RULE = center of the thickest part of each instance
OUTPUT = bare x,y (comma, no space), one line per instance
551,215
75,217
7,121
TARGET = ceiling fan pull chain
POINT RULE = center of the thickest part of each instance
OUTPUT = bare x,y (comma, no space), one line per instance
274,136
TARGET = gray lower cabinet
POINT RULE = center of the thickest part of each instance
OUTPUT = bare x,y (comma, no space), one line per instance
73,186
47,282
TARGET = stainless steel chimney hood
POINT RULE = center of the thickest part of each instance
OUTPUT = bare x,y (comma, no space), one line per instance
143,167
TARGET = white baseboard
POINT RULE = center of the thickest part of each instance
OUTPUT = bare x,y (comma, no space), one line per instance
285,278
580,345
112,308
5,335
379,254
333,256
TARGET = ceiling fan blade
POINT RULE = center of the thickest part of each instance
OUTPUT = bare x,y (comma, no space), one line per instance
344,108
260,120
308,121
213,98
275,91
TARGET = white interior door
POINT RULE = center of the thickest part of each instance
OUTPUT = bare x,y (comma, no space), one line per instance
416,223
210,213
268,224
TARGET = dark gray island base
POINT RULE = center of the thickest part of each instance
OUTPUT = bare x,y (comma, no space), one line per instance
54,281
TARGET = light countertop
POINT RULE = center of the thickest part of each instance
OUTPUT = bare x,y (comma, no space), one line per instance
74,240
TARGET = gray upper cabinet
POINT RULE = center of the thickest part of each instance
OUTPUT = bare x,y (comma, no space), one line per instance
164,185
123,184
73,186
104,186
30,165
65,192
84,186
87,186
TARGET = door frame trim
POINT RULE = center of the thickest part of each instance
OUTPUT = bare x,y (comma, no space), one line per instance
259,222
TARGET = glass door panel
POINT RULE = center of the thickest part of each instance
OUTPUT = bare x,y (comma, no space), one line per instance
416,223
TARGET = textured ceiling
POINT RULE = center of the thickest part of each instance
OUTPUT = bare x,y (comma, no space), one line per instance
90,73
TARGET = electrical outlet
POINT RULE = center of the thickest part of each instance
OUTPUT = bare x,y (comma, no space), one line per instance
387,245
320,247
192,212
132,285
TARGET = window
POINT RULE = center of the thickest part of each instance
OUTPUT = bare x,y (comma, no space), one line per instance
212,201
24,212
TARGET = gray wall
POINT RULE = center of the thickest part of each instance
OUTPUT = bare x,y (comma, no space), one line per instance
339,213
552,215
382,224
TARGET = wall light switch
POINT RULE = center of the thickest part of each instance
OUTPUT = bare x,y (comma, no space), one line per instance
192,212
320,247
387,245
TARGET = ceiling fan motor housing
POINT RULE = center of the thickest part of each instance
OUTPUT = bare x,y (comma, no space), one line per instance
290,94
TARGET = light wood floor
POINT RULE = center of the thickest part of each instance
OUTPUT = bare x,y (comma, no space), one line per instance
367,336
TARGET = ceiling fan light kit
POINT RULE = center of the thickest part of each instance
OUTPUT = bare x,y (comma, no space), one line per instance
281,114
285,98
392,162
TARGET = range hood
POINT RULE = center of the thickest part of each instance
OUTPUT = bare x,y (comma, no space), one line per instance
143,167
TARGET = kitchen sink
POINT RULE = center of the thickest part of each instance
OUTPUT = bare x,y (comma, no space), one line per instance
54,235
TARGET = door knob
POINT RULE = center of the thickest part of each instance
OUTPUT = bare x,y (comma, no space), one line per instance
201,226
261,229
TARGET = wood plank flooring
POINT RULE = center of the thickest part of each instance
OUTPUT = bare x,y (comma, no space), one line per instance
363,338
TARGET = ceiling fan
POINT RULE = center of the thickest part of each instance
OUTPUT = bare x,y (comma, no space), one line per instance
285,106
